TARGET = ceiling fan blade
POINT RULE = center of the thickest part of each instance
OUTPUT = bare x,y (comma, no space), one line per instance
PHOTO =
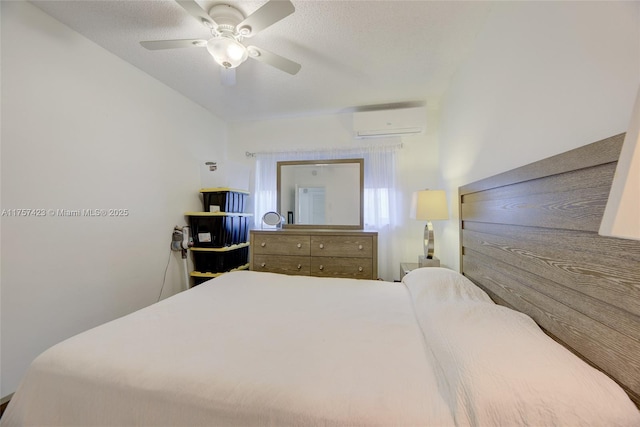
270,13
277,61
227,76
197,12
173,44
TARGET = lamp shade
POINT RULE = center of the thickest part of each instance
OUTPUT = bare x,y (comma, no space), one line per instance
429,205
622,215
227,51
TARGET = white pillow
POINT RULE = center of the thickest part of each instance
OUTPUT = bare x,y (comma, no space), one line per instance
437,284
497,367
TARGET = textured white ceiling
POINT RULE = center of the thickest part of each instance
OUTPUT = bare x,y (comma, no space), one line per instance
353,53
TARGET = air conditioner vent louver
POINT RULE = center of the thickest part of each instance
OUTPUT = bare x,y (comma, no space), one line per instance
381,123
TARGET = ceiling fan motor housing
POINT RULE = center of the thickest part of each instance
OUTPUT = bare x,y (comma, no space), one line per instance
226,16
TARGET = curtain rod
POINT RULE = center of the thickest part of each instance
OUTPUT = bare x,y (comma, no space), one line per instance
311,150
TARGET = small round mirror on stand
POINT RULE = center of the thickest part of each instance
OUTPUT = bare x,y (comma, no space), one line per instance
272,220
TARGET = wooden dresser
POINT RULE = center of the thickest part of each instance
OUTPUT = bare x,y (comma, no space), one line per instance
327,253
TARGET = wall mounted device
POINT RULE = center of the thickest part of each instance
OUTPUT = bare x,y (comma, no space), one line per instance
386,123
181,241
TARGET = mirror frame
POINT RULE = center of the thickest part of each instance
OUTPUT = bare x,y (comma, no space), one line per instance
359,162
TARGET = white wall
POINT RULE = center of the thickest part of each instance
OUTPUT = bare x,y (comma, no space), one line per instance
543,78
82,129
417,165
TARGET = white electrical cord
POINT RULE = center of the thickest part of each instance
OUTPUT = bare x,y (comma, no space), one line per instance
164,278
186,274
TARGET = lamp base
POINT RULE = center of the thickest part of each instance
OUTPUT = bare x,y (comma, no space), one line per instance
428,262
428,240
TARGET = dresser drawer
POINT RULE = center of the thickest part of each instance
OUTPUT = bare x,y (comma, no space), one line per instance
280,244
342,246
282,264
355,268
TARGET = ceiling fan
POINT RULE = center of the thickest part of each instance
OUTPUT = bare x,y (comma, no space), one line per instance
228,28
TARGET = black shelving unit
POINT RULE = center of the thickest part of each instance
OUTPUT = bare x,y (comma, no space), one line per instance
220,234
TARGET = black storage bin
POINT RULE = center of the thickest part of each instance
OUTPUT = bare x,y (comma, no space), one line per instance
208,261
218,229
223,200
200,279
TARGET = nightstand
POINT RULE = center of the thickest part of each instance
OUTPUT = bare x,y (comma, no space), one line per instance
406,267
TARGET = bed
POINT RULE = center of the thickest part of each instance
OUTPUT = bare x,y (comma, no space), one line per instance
530,239
438,349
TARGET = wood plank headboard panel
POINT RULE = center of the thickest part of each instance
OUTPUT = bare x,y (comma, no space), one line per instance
529,237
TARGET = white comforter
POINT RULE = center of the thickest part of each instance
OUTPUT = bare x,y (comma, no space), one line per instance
264,349
244,349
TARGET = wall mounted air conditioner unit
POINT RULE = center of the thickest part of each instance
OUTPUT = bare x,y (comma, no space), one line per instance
381,123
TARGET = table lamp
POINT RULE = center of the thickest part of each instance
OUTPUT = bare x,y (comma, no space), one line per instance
429,205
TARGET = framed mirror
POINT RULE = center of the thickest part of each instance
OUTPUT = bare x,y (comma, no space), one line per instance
321,193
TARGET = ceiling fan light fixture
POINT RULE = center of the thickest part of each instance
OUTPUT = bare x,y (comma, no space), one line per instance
227,51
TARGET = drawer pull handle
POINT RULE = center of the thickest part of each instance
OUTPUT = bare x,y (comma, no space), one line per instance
360,269
321,246
263,264
263,244
359,247
299,245
299,266
321,267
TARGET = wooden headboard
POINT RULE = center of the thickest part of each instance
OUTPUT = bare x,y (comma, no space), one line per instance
529,237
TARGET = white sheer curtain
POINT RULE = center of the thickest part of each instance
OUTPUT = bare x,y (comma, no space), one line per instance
380,191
